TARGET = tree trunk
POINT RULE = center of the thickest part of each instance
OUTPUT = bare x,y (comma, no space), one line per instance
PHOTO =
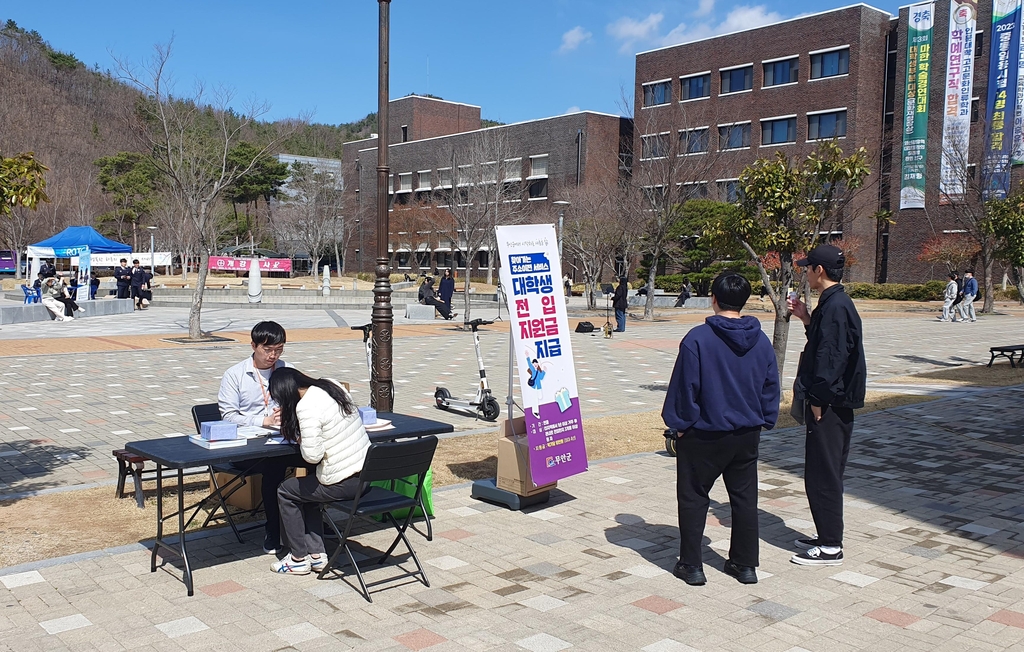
490,267
651,273
987,262
780,335
465,294
195,330
17,263
1018,280
135,236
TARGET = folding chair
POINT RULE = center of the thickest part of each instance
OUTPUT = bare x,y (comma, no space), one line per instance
384,461
200,415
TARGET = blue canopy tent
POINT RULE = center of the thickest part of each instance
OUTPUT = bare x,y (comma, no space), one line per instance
80,241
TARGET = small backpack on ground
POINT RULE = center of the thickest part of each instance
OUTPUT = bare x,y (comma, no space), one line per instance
584,327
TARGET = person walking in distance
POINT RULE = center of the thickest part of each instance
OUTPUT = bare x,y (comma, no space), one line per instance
949,296
447,289
619,303
970,294
724,390
830,385
123,276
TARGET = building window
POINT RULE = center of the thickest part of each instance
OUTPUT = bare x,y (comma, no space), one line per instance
737,79
781,72
402,259
693,190
830,64
513,169
975,109
734,136
729,190
979,44
654,146
539,189
465,175
657,93
423,180
695,88
405,133
489,173
405,182
821,126
778,131
657,196
539,166
693,141
444,178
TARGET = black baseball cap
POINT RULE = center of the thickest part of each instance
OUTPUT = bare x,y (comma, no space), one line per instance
825,256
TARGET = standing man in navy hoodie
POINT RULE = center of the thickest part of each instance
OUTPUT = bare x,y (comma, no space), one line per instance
724,391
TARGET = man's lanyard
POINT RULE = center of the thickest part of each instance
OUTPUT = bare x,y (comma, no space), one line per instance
263,390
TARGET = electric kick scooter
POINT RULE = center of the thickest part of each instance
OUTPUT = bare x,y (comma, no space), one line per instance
484,403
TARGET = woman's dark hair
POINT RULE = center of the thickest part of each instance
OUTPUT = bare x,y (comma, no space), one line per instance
285,384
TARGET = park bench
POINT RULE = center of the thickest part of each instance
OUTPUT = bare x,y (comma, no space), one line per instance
1007,352
135,466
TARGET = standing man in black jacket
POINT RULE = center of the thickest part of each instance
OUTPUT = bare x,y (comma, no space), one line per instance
123,276
619,303
830,384
140,281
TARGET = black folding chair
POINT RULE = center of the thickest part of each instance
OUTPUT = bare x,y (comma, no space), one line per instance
384,461
200,415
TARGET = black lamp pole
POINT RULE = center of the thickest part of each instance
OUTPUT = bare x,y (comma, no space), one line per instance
381,383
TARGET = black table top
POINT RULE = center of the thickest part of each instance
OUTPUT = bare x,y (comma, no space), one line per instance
180,453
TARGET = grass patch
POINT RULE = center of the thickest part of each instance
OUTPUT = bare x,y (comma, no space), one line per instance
998,375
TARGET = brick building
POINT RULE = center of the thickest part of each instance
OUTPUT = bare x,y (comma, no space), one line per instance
711,107
538,161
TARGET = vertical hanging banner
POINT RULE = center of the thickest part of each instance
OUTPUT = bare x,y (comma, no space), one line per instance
1017,156
531,274
915,110
956,123
1004,58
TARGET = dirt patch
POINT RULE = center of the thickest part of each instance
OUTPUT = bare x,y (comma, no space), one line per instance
78,521
998,375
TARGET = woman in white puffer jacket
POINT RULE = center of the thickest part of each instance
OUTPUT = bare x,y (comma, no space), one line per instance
319,414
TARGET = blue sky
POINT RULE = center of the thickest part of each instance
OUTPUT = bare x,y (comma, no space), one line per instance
518,60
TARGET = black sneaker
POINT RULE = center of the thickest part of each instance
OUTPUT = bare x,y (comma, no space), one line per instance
817,557
744,574
692,575
807,544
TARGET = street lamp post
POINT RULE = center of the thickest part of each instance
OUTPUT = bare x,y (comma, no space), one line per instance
152,248
381,385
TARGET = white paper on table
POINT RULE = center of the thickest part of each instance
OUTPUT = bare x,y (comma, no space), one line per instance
379,428
249,432
275,441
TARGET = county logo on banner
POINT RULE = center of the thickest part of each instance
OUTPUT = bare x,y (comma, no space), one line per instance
956,123
1004,58
531,275
915,111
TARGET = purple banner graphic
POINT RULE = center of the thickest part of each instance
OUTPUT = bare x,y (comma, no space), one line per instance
531,275
1003,60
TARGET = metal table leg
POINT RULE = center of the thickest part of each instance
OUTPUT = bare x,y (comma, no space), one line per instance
181,530
159,516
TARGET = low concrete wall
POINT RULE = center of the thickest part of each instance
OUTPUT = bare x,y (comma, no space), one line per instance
38,312
668,301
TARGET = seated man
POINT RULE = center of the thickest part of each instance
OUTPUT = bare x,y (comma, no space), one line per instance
244,399
428,297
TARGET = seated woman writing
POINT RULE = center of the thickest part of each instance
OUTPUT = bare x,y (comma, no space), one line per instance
318,414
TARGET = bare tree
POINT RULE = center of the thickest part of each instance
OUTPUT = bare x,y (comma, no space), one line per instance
592,234
190,139
310,210
965,190
482,190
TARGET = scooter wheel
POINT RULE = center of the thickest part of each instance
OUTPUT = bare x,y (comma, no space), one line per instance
491,409
670,446
441,396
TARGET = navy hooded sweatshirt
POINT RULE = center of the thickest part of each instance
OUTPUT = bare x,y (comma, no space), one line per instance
725,378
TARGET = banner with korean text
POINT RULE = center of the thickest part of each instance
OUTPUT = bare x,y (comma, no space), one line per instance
225,263
915,110
1004,59
1018,116
956,123
530,275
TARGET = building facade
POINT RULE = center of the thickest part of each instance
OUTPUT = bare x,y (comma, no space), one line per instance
438,147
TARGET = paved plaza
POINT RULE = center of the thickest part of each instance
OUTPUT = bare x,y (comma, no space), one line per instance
935,524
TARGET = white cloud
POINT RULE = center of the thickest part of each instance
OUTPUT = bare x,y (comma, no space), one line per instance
647,31
572,109
574,38
630,31
704,7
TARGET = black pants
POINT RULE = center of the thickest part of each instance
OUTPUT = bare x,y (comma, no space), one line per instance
123,291
137,294
69,306
273,470
299,500
441,306
827,448
703,457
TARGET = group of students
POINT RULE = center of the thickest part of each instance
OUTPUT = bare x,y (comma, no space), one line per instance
441,298
134,282
316,413
959,296
725,389
55,294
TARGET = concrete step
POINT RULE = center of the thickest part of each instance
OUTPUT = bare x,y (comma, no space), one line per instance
37,312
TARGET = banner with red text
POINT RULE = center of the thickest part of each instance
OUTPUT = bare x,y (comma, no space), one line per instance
227,264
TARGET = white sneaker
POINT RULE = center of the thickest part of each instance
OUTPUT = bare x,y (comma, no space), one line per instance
289,566
68,319
318,562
